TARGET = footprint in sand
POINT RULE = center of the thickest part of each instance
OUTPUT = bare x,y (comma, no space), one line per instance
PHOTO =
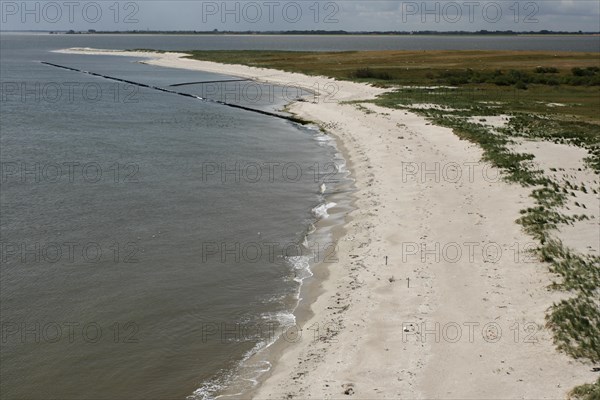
348,389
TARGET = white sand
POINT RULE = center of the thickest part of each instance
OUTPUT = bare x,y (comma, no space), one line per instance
564,163
429,106
368,348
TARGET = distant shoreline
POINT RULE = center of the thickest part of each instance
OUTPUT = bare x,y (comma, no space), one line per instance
311,33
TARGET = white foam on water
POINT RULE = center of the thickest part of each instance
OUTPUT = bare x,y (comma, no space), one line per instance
322,188
244,372
248,373
340,163
320,211
301,265
281,317
324,138
209,388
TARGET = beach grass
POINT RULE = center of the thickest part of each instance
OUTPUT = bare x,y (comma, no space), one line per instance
586,392
527,80
405,67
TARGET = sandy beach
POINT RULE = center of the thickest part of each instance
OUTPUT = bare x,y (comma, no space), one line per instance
435,294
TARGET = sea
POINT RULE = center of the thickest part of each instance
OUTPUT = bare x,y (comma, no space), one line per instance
155,245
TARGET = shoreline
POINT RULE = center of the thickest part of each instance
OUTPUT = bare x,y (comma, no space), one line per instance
368,317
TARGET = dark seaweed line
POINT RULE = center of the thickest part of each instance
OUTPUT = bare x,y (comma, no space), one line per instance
205,82
286,117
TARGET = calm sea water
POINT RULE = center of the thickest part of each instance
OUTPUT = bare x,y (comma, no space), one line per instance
320,43
151,242
135,223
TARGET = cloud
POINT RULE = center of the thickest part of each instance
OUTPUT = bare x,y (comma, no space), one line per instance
351,15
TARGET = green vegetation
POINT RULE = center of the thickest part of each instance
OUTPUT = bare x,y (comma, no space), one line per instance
528,80
409,67
579,77
368,73
546,70
586,392
576,325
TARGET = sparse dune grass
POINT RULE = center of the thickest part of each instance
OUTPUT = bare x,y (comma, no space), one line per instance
586,392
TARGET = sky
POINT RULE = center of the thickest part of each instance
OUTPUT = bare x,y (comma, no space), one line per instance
267,15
